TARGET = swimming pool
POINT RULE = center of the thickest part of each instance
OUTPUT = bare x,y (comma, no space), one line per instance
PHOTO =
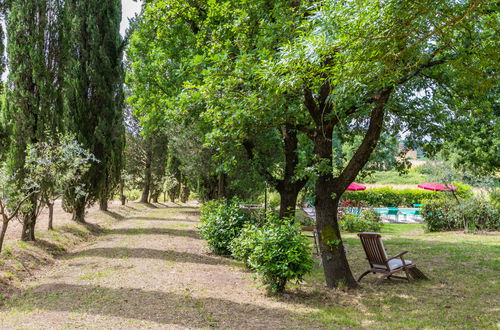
402,210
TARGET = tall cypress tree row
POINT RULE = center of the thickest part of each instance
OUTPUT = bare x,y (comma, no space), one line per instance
94,97
33,105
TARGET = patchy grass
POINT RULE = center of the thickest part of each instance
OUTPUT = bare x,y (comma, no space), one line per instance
463,292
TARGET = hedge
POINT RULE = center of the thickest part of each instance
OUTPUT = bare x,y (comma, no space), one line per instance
401,197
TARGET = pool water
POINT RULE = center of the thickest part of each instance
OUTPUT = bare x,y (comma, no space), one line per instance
403,211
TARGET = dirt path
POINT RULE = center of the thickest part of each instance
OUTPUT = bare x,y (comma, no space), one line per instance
151,271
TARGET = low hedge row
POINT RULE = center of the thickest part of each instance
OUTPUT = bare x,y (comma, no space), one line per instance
401,197
470,214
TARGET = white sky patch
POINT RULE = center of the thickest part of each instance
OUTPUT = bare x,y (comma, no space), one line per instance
129,9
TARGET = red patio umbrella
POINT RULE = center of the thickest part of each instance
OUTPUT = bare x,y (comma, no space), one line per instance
355,187
434,186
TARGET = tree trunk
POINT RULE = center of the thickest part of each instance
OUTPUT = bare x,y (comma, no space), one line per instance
79,211
147,187
185,194
288,202
103,204
147,178
29,222
221,187
289,187
51,215
123,199
335,265
2,234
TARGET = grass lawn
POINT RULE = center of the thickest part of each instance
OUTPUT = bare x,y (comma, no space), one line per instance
463,292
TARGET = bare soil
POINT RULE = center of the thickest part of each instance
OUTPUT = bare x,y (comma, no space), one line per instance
150,271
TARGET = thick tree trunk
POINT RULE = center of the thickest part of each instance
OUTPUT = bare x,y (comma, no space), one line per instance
51,215
288,202
103,204
335,265
79,211
29,222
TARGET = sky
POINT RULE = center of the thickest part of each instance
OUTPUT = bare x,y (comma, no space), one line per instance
129,9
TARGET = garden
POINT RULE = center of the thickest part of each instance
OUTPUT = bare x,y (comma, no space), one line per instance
249,164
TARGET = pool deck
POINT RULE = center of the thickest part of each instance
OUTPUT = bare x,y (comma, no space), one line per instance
401,218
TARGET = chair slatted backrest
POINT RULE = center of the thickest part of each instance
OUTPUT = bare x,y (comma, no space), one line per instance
374,248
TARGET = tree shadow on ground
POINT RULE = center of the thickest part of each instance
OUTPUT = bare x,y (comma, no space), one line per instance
162,218
145,253
155,231
166,309
115,215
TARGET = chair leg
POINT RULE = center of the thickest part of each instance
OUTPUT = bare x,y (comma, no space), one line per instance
363,275
407,274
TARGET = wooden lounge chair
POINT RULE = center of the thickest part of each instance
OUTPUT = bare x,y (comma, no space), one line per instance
387,266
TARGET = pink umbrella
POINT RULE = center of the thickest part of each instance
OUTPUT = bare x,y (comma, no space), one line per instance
355,187
434,186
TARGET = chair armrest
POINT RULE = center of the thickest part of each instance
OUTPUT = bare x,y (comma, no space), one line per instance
399,255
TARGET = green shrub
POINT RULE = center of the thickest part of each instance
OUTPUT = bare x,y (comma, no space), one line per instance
242,246
394,177
436,215
221,222
277,251
470,214
392,197
403,197
368,220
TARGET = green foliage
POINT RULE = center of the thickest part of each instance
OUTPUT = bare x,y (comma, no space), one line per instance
54,166
244,245
221,222
277,251
470,214
392,197
368,220
393,177
387,196
93,93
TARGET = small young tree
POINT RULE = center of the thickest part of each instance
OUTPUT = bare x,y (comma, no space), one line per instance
10,202
55,166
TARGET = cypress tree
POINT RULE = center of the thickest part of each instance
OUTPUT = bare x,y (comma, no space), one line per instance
33,105
94,97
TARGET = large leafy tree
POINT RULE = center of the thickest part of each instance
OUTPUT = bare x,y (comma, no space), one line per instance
377,64
94,96
186,55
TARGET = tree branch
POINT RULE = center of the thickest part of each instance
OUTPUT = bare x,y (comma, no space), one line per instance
364,151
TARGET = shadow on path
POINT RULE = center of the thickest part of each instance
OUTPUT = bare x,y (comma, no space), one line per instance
155,306
155,231
163,218
145,253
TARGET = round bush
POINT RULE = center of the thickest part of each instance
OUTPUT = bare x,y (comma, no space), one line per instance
277,251
221,222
